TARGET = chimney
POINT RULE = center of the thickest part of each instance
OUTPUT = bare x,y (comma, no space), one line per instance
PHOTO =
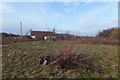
30,30
21,29
54,30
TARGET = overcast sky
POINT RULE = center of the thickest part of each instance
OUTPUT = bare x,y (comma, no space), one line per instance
84,18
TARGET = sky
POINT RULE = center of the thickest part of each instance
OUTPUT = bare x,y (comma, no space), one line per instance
79,18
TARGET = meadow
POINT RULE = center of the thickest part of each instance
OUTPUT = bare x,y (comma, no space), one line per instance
21,60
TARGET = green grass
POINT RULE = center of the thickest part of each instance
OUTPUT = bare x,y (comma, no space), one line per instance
21,60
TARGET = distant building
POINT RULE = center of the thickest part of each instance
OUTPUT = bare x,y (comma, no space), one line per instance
47,35
43,35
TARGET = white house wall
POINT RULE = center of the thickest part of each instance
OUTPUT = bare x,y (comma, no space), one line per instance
33,37
45,37
53,37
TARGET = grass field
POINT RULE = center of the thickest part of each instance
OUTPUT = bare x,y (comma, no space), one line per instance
21,60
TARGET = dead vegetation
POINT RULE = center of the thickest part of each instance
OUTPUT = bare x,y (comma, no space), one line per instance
70,61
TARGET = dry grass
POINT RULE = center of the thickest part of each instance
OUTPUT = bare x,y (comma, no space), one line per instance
21,60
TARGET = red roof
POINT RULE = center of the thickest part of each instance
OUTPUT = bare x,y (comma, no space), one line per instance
42,33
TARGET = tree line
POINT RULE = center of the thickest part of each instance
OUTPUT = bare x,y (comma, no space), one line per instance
111,33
